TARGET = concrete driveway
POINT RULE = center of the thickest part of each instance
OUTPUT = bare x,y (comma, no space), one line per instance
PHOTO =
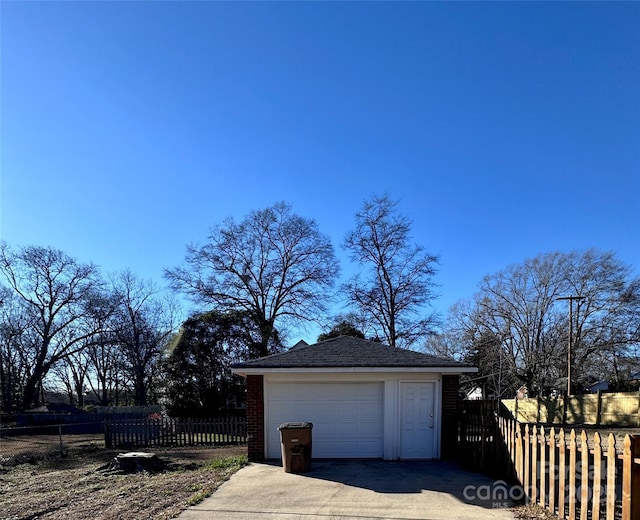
355,490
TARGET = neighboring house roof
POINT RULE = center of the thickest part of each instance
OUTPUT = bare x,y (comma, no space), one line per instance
346,352
301,343
600,385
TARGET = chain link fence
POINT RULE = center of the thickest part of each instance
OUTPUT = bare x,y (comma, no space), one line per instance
21,445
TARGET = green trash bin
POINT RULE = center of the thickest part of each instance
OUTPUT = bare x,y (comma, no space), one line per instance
295,439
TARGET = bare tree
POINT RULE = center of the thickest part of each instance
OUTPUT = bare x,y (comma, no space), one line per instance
16,349
397,284
274,265
103,357
56,288
73,372
517,310
105,367
606,313
142,324
450,341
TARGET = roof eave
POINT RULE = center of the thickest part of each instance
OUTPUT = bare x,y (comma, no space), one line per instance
248,371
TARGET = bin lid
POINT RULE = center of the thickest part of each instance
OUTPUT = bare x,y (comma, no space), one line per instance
295,426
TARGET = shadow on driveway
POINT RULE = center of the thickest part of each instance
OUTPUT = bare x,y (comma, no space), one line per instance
357,489
408,477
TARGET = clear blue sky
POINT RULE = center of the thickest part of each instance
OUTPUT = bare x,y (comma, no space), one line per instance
506,129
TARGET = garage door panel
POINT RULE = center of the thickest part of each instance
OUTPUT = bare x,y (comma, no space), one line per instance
323,429
348,449
347,417
280,392
370,411
323,392
361,430
299,409
352,392
346,411
323,409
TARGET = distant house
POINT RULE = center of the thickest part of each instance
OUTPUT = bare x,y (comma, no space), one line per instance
365,400
476,394
603,386
600,386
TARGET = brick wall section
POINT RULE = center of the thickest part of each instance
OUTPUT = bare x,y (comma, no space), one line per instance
255,417
450,388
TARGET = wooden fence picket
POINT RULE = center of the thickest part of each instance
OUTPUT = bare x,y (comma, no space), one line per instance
175,432
534,465
527,446
572,475
562,471
597,477
611,478
584,480
543,467
552,471
569,473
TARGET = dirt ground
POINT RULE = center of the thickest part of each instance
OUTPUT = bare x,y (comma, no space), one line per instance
71,487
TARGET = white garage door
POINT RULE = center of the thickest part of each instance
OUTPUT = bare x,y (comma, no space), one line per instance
347,417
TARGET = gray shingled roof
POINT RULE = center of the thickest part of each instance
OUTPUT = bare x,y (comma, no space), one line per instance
346,351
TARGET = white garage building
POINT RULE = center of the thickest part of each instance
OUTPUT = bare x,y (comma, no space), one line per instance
365,400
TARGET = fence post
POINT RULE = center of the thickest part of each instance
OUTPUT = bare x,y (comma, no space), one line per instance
562,471
598,407
463,436
538,409
518,450
60,438
552,471
611,477
512,454
584,471
543,467
483,435
534,466
107,436
597,477
631,478
635,477
527,448
572,475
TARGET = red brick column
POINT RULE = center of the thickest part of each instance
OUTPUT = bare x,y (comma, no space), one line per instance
450,389
255,417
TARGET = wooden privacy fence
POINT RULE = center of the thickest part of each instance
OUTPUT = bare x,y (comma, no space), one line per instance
574,475
479,446
621,409
214,431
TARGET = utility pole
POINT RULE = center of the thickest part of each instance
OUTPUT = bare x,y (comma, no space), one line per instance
571,300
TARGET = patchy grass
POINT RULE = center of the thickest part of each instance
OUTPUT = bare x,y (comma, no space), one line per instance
533,512
229,463
71,487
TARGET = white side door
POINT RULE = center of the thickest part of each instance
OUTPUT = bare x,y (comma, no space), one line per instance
417,420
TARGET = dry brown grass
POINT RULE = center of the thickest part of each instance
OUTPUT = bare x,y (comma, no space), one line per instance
70,487
533,512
